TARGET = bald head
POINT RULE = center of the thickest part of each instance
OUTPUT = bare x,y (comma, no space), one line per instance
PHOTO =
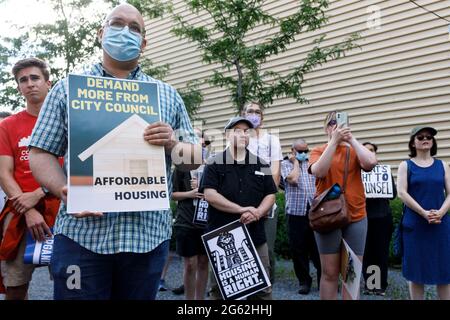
122,51
299,145
299,142
127,12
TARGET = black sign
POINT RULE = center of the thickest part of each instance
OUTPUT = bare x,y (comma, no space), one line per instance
201,213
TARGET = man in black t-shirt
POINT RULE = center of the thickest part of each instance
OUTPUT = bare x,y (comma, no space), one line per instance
238,185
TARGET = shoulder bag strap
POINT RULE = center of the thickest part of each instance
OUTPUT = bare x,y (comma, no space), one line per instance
347,159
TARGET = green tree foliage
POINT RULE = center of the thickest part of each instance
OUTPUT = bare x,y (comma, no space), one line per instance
192,97
9,47
149,8
154,9
72,38
223,42
157,72
70,44
65,44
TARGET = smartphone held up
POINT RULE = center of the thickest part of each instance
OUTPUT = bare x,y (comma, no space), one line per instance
342,118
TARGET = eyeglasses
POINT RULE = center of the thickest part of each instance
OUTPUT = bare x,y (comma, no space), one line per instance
251,111
302,151
332,123
118,25
421,137
240,131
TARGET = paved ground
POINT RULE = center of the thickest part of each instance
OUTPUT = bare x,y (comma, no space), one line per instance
285,287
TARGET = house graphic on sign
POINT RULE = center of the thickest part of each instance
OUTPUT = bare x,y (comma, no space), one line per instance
123,152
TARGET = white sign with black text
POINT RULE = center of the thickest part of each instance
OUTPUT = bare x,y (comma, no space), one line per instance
378,182
235,262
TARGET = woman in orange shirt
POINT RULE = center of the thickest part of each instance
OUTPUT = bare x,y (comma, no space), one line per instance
327,164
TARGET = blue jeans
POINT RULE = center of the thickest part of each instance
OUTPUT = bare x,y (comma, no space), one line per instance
80,274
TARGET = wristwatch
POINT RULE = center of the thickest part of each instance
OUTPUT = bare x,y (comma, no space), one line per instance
45,190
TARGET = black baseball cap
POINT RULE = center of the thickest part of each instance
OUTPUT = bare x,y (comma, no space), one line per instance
233,121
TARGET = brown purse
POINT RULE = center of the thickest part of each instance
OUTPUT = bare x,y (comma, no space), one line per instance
327,214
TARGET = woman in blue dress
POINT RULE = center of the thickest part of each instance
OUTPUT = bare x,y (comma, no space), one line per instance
422,181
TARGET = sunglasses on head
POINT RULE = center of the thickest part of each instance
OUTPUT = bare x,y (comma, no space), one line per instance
332,123
421,137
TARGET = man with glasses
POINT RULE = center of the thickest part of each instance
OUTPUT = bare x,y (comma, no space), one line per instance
111,255
299,191
237,185
266,146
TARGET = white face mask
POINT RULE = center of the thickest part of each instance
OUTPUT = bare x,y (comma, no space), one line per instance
254,119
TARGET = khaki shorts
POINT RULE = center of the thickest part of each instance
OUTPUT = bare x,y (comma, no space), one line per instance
15,273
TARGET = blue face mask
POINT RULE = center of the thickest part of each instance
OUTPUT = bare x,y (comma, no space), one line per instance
121,45
254,119
301,156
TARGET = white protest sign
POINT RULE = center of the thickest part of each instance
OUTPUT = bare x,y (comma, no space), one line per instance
378,182
351,268
111,168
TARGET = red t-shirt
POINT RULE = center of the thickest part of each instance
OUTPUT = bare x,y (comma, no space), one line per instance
15,135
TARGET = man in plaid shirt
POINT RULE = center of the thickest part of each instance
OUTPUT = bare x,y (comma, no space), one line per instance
110,255
299,191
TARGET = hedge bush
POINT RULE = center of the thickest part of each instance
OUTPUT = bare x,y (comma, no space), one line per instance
173,242
397,211
282,243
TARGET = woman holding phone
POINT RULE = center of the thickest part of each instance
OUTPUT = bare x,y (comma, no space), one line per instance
327,164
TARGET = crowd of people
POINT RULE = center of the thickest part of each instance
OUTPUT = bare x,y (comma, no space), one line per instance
123,255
